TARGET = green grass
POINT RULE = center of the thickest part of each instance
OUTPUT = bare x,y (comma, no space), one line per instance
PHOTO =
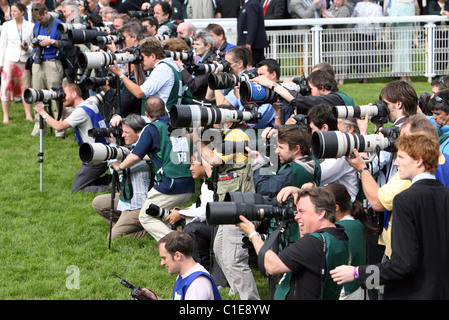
44,233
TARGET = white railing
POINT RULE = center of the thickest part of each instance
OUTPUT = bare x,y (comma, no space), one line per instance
393,47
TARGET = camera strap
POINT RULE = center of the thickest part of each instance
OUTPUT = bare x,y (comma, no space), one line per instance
268,244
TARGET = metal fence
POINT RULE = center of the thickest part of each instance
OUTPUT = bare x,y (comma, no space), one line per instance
387,47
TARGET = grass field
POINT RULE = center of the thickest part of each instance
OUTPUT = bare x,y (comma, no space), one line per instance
50,238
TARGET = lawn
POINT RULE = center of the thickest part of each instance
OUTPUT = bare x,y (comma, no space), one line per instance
53,245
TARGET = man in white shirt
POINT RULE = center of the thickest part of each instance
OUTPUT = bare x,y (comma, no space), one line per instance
165,79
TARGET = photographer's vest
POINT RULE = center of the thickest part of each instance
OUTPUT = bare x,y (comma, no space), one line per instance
232,177
182,284
97,122
175,159
335,253
51,32
347,100
304,170
175,96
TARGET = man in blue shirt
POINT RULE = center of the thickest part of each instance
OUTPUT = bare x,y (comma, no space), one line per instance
170,161
47,70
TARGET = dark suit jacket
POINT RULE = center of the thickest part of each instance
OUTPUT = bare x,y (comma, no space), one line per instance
276,9
419,264
251,27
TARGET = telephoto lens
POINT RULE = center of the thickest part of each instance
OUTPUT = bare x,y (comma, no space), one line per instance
99,152
195,116
336,144
34,95
251,91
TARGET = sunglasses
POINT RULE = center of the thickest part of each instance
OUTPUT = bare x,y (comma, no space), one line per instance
438,98
441,80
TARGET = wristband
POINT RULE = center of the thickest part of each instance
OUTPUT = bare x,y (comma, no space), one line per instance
252,234
45,116
356,275
122,76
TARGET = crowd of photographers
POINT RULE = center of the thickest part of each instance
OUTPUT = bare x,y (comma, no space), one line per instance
160,109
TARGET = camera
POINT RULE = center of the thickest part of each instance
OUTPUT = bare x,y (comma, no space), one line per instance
63,28
195,116
39,50
335,144
136,292
378,112
423,102
188,41
97,60
298,84
92,83
99,152
232,147
141,14
97,99
105,132
34,95
183,56
226,80
116,38
252,206
251,91
204,68
80,36
161,213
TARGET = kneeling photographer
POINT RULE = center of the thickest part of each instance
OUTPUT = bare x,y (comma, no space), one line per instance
169,156
133,185
84,117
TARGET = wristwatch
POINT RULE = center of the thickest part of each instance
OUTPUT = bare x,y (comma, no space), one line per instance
53,42
359,172
274,85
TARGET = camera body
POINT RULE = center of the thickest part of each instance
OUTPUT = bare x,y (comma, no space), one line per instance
39,50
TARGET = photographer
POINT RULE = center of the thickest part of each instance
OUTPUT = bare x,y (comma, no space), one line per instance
47,70
129,103
126,211
162,12
323,89
321,118
82,118
174,184
230,173
439,105
193,281
203,43
195,215
298,164
165,79
70,52
302,262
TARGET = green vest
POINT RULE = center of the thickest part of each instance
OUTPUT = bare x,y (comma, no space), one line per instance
176,92
175,154
355,230
348,100
337,254
304,170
